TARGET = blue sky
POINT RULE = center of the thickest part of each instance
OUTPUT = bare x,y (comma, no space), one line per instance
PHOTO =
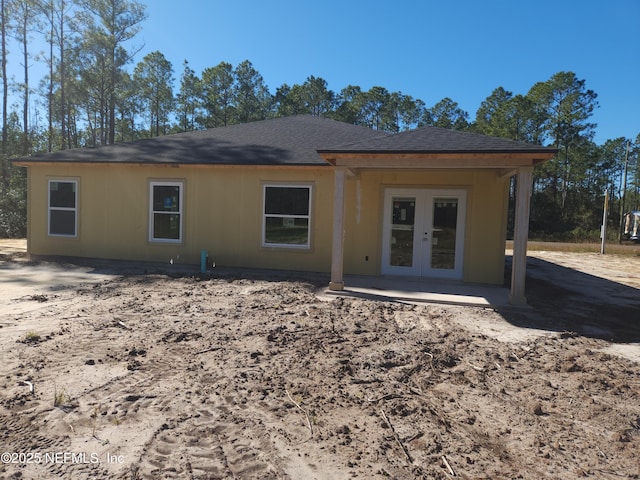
430,49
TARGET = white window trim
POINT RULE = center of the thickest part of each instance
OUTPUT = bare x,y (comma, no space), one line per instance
180,211
62,209
306,246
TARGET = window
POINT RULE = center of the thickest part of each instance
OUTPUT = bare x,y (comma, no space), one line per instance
286,219
63,208
165,219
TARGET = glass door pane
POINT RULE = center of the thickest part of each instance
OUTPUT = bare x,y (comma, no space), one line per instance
402,227
443,241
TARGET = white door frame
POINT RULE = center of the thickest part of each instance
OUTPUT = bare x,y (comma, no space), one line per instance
423,232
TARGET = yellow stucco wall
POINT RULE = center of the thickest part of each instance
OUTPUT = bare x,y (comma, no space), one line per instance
223,215
485,228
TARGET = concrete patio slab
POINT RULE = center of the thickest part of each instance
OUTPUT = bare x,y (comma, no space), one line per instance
414,290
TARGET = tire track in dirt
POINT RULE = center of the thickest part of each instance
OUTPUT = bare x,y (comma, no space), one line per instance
45,452
210,444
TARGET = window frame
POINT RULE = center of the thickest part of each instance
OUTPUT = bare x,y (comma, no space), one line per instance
180,212
74,209
265,215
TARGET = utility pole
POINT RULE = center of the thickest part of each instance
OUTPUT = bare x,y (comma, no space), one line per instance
624,192
603,229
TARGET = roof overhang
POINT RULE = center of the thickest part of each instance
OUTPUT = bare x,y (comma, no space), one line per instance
437,160
27,163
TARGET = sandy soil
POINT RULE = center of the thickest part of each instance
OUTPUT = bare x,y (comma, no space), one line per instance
237,376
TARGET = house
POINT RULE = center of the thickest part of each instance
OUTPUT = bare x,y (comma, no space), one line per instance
299,193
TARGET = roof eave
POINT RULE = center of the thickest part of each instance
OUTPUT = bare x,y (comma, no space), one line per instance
43,162
542,150
437,159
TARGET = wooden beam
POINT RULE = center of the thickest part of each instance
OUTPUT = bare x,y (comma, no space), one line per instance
521,235
503,160
507,172
430,163
335,157
337,248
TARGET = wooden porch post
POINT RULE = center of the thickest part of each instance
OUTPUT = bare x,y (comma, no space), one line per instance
521,235
337,247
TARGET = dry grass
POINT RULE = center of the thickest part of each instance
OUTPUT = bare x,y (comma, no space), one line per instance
626,249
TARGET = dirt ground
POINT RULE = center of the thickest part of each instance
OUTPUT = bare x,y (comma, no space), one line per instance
152,375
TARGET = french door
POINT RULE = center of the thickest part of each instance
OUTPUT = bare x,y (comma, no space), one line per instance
423,232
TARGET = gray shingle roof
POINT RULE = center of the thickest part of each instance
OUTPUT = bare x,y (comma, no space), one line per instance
280,141
294,140
437,140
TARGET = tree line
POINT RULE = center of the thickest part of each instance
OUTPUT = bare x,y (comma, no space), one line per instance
95,94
